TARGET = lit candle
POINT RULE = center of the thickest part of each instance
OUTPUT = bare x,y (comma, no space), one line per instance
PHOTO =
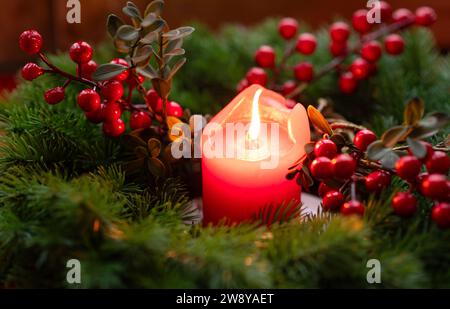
247,150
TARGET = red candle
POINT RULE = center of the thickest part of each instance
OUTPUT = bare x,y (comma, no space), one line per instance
247,150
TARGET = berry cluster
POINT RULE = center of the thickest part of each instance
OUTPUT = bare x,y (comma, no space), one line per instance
103,102
353,63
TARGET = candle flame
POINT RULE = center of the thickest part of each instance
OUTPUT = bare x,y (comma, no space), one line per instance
255,124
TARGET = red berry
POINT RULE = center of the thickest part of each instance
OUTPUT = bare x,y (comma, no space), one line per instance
242,85
265,57
325,148
339,32
403,15
377,181
385,11
81,52
333,200
140,120
153,99
31,71
371,51
429,153
306,44
324,189
289,87
96,116
363,139
257,76
441,215
404,204
343,166
439,163
31,42
425,16
348,83
89,100
435,187
112,112
304,71
360,68
112,90
131,81
408,167
360,23
55,95
124,75
115,128
87,69
353,208
288,28
338,49
174,109
394,44
321,168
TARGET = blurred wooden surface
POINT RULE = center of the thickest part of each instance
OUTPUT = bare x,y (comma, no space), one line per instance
49,17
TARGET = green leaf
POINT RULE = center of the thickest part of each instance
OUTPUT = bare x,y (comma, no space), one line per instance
108,71
127,33
132,12
143,55
133,6
376,151
414,111
150,38
140,152
162,87
155,7
154,147
172,45
179,33
148,20
417,148
175,52
157,26
430,125
113,24
156,167
389,159
395,135
176,68
122,46
148,72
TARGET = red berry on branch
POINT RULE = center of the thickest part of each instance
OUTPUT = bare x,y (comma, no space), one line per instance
353,208
265,57
31,71
439,163
435,187
404,204
306,44
363,139
288,28
371,51
348,83
257,76
339,32
429,153
140,120
96,116
440,214
81,52
360,68
31,42
403,14
344,166
112,112
55,95
89,100
289,87
425,16
324,189
385,11
174,109
408,168
360,23
124,75
338,49
304,72
153,99
377,181
114,128
394,44
87,69
131,81
325,148
321,168
333,200
112,90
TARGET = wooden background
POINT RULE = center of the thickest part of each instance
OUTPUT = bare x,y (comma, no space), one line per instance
49,17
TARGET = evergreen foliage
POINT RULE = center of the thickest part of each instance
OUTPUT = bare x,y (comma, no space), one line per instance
64,195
